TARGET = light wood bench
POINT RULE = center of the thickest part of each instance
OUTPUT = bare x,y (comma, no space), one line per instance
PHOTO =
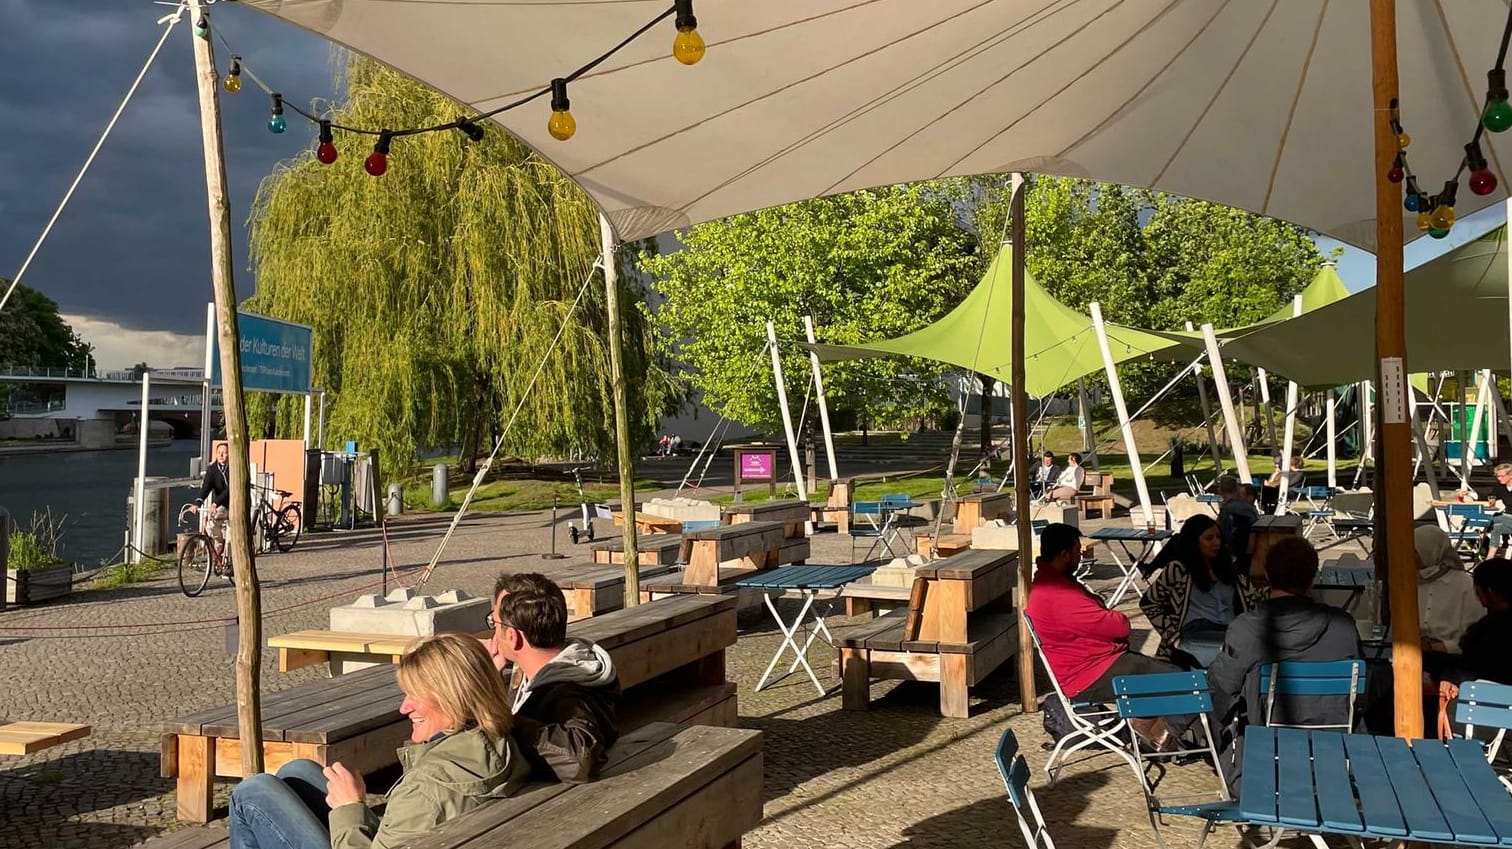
750,545
649,524
664,785
592,589
669,656
959,626
792,514
299,649
651,550
836,509
980,508
945,546
1099,497
22,737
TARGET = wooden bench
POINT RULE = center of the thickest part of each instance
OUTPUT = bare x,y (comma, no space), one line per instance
958,627
299,649
945,546
749,545
669,656
1098,495
980,508
837,508
22,737
591,589
651,550
664,785
792,514
648,524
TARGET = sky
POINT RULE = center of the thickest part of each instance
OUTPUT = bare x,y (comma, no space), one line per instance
128,261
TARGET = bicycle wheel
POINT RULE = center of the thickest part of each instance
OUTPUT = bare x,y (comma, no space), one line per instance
194,564
286,527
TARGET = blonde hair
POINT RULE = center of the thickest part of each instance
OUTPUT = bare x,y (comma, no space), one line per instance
455,673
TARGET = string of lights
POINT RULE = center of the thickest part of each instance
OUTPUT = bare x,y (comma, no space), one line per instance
1435,213
687,47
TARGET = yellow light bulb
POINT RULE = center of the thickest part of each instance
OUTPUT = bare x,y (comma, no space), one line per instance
1442,218
1424,221
1403,140
233,83
688,47
561,126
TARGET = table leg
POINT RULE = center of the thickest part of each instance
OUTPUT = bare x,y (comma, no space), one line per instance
789,642
1129,572
196,777
814,632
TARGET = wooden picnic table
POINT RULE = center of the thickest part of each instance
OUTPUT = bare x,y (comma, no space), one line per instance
22,737
792,514
651,550
649,524
750,545
981,507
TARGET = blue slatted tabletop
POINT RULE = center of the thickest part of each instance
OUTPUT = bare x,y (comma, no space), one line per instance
806,577
1343,576
1131,534
1329,782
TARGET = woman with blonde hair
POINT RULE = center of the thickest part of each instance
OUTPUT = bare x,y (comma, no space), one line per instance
459,756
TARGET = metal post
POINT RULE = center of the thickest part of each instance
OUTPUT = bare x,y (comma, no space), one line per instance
787,420
320,423
1226,401
1084,420
139,500
207,409
1482,389
1289,439
554,507
824,422
1330,403
1460,403
307,421
1265,407
1135,466
1207,414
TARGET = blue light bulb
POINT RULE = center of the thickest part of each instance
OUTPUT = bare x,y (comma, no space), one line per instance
277,124
1411,203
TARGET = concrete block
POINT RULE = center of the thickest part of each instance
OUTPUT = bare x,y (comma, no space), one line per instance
998,537
898,573
684,509
404,612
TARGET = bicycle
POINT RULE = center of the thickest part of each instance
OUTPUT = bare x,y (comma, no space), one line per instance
279,526
200,556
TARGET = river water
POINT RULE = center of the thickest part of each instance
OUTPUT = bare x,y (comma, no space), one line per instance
90,489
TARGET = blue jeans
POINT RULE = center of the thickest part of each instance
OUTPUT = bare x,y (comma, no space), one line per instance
283,811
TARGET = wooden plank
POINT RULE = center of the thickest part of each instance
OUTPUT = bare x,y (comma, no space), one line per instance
1446,783
653,550
945,611
1336,801
904,666
196,770
654,656
687,582
315,725
955,699
1378,802
192,837
988,655
794,551
1424,819
322,639
22,737
713,817
883,632
1483,786
685,707
228,751
370,751
855,679
918,597
992,586
292,659
378,698
969,565
1257,793
626,626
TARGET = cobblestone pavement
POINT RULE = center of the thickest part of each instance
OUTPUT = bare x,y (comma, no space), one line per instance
125,659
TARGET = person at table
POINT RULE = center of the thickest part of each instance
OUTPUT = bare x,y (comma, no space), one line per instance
1070,481
1500,496
1236,516
1045,475
1447,603
565,706
1484,649
1196,592
1270,489
1086,645
460,755
1287,626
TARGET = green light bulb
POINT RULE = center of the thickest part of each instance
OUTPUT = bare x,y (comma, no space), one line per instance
1497,116
1438,234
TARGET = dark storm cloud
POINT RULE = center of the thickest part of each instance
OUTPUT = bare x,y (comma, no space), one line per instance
132,249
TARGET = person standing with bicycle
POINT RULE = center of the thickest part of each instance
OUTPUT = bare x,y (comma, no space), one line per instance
215,496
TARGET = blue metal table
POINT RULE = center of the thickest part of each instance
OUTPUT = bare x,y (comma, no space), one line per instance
1149,542
1373,788
809,581
1353,580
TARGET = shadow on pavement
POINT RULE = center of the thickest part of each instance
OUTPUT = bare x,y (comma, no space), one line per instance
990,823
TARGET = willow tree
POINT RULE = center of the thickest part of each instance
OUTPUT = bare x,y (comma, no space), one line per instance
436,289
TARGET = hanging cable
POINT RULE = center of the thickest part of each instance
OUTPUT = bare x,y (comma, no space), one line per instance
170,21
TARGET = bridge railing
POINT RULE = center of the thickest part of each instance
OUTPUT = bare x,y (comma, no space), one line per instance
26,408
45,371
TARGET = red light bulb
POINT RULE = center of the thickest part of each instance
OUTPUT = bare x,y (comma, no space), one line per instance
376,164
326,153
1396,174
1482,182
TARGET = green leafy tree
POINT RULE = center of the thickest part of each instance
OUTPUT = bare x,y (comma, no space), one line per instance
33,335
435,291
865,265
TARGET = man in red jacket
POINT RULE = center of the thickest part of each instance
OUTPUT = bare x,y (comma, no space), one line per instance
1086,645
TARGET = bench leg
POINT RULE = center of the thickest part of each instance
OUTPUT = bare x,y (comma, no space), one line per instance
954,699
857,606
196,777
855,679
710,669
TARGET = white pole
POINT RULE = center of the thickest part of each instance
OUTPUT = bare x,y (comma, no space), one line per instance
207,412
1265,406
1226,400
1482,389
320,423
1461,394
1422,442
829,435
139,502
307,421
1207,415
1367,444
1136,468
1289,440
1330,403
787,420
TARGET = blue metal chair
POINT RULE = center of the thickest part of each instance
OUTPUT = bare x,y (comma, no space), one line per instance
1313,503
1174,694
1095,724
699,525
1015,772
1312,679
1467,526
1488,705
868,520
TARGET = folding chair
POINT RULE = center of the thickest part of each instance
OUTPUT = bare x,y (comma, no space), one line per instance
1490,705
1467,526
870,520
1015,772
1168,694
1312,679
1094,724
1314,504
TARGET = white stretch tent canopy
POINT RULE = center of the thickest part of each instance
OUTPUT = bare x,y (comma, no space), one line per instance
1259,104
1456,311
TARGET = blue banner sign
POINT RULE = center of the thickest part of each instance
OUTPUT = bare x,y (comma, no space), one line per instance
275,355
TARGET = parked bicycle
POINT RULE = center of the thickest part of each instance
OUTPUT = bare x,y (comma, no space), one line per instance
278,525
200,555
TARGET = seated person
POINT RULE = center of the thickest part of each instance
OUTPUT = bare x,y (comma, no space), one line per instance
1287,626
459,756
565,706
1045,475
1070,481
1270,490
1236,516
1483,651
1500,495
1196,593
1447,602
1086,645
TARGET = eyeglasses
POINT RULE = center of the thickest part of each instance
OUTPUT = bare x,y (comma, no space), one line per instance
495,623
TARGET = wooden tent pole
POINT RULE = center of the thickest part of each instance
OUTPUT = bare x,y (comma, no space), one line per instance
1019,421
1394,495
623,449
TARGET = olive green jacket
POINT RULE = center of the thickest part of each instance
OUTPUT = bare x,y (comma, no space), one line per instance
441,780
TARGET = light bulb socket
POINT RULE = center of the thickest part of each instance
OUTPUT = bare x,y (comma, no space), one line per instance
1496,84
685,19
202,26
235,66
559,101
277,103
385,138
1474,159
1446,195
325,133
471,130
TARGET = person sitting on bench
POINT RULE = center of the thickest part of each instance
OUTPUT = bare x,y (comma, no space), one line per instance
460,755
1070,481
1045,475
565,705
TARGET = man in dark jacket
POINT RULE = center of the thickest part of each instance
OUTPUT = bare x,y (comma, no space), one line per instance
565,703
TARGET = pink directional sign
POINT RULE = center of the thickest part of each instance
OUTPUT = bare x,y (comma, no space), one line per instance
758,466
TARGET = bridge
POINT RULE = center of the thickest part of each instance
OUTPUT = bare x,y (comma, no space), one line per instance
54,399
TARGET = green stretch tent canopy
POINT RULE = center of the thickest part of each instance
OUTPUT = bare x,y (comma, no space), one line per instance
1326,288
1456,315
1059,342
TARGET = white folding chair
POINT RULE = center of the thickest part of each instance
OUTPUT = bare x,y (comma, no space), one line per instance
1015,772
1094,724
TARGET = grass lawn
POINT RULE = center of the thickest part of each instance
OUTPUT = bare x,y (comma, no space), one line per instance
515,494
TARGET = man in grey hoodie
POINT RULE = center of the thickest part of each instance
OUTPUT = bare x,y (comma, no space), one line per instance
565,705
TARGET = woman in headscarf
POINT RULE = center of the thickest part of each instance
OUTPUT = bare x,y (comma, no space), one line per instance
1447,604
